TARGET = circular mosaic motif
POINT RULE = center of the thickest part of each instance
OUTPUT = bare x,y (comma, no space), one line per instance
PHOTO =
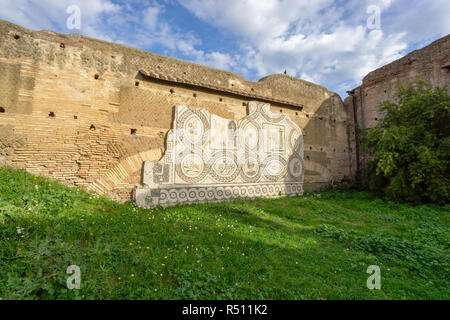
275,168
183,194
228,192
191,168
192,194
296,167
251,170
173,195
210,194
201,194
219,193
224,168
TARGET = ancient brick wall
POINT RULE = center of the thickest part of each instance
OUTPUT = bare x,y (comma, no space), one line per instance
430,63
89,113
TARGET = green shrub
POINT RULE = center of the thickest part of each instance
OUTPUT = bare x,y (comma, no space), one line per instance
411,146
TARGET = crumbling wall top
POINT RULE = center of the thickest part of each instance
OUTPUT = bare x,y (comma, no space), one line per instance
439,50
16,42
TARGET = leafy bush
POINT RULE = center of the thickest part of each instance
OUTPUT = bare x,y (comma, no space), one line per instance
411,146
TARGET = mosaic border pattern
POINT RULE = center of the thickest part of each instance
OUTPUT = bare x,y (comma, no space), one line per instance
201,194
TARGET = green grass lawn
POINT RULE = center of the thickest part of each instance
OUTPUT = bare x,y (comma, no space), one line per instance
318,246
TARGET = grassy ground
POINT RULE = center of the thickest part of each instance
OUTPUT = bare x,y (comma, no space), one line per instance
313,247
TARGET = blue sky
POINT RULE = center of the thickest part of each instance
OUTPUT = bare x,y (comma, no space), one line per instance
328,42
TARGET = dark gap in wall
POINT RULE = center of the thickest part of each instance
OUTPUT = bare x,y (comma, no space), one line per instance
75,117
16,36
92,127
136,83
2,110
51,114
194,95
172,91
220,99
96,76
133,132
62,45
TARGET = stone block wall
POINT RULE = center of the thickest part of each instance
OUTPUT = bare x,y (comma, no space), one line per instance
89,113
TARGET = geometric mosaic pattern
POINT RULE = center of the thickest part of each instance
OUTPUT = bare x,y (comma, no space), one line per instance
209,158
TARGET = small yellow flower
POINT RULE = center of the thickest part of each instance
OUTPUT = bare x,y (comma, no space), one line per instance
148,248
131,243
163,264
119,278
28,213
165,257
132,275
81,219
168,249
45,207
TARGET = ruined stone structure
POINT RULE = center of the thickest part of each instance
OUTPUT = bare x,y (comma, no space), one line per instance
89,113
209,158
431,63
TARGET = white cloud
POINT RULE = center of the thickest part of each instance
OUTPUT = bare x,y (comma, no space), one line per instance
51,14
323,41
216,60
151,16
138,24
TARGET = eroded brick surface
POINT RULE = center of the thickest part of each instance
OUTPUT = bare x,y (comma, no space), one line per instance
430,63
